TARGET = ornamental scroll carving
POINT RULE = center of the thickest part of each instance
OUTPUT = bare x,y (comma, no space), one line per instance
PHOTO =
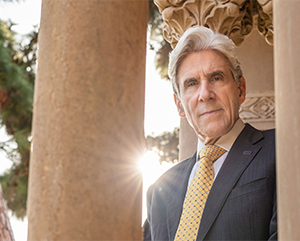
233,18
258,107
265,19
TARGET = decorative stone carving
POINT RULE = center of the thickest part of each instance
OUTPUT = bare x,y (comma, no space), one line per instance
265,19
258,107
233,18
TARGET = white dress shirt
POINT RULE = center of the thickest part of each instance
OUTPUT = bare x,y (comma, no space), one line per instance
225,142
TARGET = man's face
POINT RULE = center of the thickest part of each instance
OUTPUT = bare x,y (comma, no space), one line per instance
209,97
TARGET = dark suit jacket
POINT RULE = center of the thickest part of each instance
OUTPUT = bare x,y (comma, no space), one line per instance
241,204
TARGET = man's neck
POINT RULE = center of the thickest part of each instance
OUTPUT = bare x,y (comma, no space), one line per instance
227,140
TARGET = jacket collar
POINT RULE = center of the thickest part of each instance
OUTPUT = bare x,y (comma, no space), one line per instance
239,157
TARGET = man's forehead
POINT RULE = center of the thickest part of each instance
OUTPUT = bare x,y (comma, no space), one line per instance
206,62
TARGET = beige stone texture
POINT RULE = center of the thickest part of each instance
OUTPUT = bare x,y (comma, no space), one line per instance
187,140
84,182
256,58
287,92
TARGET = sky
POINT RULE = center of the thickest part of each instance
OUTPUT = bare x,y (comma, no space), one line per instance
160,111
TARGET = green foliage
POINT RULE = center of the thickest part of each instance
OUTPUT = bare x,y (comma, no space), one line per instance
157,42
15,186
17,73
165,145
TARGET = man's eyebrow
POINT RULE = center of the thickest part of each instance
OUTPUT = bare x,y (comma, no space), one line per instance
214,73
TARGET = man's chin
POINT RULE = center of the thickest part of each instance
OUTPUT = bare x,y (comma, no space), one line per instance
212,134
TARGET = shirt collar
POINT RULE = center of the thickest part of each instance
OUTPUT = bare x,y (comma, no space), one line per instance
228,139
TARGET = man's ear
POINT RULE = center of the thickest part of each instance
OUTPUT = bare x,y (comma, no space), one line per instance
242,89
179,106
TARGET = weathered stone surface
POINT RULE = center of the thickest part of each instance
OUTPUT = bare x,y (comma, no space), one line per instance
287,89
84,181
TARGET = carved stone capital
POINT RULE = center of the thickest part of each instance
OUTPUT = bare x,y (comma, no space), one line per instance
265,19
233,18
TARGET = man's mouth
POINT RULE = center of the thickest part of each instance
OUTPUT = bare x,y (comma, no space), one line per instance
210,112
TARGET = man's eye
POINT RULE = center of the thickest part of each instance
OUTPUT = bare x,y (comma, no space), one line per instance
217,78
192,84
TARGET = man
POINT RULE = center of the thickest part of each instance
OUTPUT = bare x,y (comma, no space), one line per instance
236,199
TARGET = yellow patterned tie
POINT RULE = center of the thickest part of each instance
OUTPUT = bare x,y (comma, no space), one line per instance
197,194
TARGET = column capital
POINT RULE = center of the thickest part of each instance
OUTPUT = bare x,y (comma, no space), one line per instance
233,18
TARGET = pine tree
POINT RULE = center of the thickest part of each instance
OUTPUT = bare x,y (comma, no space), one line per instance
17,73
5,228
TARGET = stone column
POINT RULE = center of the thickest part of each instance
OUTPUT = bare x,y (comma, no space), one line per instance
187,140
287,92
88,136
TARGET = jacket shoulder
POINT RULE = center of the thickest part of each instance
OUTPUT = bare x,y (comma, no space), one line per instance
181,168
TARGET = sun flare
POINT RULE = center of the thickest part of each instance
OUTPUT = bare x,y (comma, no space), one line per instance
151,170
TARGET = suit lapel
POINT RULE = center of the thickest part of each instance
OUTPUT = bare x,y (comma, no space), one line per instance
239,157
177,195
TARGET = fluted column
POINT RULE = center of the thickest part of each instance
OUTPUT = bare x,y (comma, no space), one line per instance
287,89
84,183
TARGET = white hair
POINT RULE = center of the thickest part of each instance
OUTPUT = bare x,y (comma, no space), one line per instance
199,38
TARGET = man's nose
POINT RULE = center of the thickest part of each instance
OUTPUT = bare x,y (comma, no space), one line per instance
206,92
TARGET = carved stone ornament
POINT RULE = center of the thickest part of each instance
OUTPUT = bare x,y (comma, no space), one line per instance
265,19
233,18
258,107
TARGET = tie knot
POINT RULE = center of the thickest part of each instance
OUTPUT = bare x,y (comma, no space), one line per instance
212,152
